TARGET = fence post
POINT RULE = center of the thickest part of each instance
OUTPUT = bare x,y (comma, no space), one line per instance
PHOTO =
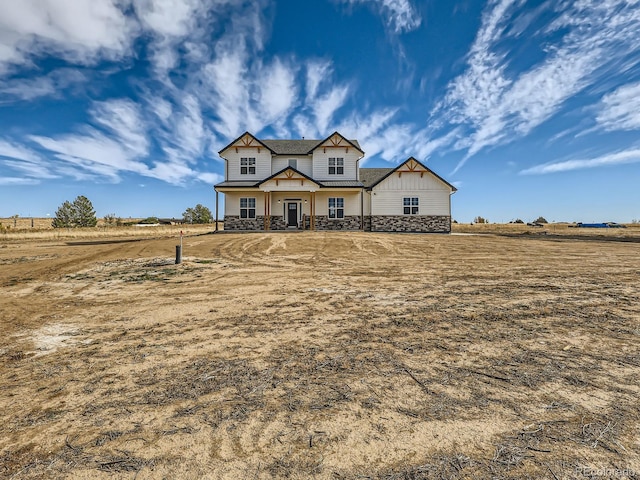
178,254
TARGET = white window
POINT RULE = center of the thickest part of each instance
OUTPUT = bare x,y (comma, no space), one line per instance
247,166
293,163
410,205
336,207
247,208
336,166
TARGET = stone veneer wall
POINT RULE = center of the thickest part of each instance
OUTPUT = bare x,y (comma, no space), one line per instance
411,223
278,223
235,223
349,222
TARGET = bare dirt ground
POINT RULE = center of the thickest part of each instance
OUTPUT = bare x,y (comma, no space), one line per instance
320,355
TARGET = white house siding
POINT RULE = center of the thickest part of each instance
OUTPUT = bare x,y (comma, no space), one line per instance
263,163
433,194
281,162
366,199
232,202
321,163
351,201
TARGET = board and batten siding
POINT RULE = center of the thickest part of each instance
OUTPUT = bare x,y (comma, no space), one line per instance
281,162
321,163
387,196
263,163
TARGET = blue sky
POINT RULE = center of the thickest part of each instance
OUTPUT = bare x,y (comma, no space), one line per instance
529,107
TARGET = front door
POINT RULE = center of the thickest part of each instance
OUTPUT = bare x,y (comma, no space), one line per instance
292,214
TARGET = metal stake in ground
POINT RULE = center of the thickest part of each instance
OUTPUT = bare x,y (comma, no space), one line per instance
179,250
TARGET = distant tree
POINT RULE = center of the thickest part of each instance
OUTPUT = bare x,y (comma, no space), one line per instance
479,219
149,221
198,214
80,213
540,220
517,220
85,214
65,216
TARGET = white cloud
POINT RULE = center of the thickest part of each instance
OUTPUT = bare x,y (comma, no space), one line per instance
52,84
277,92
317,73
123,119
620,110
92,151
80,31
325,106
495,103
24,160
618,158
19,152
400,15
15,181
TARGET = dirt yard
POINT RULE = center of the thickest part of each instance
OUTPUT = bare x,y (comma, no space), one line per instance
320,355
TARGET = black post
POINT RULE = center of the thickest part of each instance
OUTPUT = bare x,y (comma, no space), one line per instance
216,210
178,254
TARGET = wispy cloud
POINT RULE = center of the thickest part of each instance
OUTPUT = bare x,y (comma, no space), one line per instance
496,104
400,15
15,181
620,110
24,160
618,158
54,84
97,29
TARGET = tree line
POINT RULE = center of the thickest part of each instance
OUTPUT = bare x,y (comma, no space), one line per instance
80,213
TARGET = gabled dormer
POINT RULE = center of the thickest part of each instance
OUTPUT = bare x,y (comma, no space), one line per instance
247,158
336,158
289,179
409,175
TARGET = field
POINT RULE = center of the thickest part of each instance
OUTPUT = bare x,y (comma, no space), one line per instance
320,355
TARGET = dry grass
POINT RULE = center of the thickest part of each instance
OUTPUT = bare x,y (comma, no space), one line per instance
320,355
551,229
49,233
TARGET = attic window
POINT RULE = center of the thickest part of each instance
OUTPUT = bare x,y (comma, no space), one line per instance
410,205
336,166
293,163
247,166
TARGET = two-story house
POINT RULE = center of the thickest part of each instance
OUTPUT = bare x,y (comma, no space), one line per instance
319,185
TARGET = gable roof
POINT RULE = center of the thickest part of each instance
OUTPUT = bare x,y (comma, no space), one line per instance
307,177
353,143
370,176
292,147
391,170
238,139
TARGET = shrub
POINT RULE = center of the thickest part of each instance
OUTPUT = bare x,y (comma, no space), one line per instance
540,220
110,219
479,219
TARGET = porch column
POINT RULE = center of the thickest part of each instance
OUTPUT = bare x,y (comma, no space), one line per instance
312,209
